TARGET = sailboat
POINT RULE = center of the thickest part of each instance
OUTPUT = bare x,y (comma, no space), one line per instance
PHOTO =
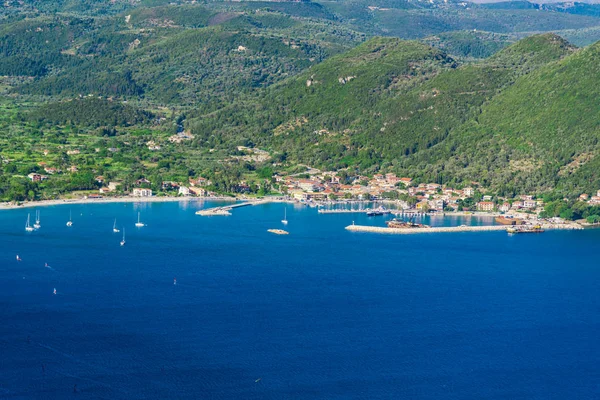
37,224
139,224
28,227
70,222
115,229
284,220
123,241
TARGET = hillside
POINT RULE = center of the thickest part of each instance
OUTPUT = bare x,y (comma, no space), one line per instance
167,55
170,88
397,105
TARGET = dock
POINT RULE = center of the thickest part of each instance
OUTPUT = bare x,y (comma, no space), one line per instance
226,210
439,229
444,229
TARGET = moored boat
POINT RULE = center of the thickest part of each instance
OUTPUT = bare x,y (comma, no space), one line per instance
399,223
523,229
28,227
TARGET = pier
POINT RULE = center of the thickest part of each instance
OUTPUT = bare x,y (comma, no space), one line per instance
226,210
439,229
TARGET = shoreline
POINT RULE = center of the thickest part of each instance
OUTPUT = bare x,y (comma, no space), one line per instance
108,200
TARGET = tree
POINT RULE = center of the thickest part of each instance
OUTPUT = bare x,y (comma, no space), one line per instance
593,219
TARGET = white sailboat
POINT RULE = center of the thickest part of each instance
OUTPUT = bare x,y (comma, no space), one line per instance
139,224
115,229
37,224
284,220
70,222
123,241
28,227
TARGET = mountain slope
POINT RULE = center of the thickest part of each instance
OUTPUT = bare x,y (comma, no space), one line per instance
381,104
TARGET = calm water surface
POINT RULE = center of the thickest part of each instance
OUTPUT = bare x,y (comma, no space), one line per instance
320,314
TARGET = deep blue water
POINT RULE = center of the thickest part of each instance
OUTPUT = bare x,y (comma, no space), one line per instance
320,314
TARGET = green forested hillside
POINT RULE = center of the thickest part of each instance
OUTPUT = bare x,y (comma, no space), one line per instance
512,121
328,84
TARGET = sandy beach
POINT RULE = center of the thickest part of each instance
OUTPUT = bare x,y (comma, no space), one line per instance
104,200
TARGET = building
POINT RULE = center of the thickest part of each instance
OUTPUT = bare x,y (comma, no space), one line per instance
529,204
184,191
37,177
468,191
504,207
201,182
437,204
141,192
308,185
198,191
485,206
142,181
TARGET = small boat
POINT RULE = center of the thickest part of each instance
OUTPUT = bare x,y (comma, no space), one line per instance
139,224
70,221
175,281
28,227
37,224
123,241
115,229
400,224
54,292
278,231
284,220
18,258
377,212
523,229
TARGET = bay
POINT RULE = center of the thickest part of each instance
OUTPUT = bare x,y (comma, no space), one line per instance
321,313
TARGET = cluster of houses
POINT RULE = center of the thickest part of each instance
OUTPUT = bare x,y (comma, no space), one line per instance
37,177
591,200
424,196
195,187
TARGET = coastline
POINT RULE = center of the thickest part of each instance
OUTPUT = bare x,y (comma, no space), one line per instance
107,200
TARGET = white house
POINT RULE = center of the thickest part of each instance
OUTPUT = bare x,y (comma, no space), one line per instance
141,192
184,191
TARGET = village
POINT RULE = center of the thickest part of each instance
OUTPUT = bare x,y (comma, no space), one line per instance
319,187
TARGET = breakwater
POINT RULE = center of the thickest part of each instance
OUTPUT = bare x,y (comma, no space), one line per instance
442,229
380,229
225,210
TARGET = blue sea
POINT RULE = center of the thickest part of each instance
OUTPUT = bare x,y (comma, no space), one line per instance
321,313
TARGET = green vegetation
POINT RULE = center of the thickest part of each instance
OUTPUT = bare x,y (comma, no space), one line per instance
96,88
403,106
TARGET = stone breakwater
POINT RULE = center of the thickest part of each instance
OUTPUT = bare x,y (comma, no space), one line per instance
440,229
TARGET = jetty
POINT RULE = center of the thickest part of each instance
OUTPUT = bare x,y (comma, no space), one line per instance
226,210
445,229
439,229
